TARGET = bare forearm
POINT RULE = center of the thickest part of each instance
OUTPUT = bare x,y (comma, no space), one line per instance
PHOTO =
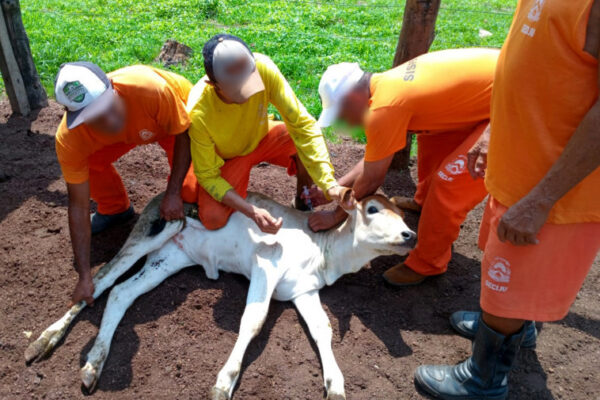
80,230
234,200
580,158
181,163
365,186
371,176
349,179
364,182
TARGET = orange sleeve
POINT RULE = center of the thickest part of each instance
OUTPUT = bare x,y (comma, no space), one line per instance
72,153
171,115
386,132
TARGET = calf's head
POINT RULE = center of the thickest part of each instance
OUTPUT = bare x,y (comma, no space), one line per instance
378,226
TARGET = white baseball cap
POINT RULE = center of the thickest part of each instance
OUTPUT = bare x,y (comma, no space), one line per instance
224,51
337,81
85,91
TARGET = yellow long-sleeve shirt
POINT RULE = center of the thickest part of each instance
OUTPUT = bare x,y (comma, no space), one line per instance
221,131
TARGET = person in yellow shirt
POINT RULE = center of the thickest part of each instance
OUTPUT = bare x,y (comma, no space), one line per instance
230,133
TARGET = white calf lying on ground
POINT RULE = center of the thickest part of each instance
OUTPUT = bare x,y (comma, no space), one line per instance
291,265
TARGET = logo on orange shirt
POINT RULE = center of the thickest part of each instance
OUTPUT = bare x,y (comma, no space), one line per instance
411,68
146,135
536,11
534,16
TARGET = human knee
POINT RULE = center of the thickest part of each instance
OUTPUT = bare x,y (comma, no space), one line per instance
213,219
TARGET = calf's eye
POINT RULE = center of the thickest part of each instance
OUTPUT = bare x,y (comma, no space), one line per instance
372,210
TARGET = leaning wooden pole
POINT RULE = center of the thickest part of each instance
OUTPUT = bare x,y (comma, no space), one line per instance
11,74
416,36
16,62
20,43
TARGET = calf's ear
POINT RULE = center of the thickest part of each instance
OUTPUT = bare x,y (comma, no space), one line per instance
399,203
348,201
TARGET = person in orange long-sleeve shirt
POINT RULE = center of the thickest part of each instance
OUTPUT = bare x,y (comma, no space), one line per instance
541,229
443,97
107,116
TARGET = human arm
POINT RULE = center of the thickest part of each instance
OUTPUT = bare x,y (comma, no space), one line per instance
318,198
386,134
261,217
350,177
80,231
207,168
168,107
477,155
302,128
171,206
370,177
521,223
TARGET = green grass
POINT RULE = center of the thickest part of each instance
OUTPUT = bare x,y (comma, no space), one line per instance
303,37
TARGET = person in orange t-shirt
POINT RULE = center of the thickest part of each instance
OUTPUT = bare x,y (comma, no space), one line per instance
443,97
107,116
541,230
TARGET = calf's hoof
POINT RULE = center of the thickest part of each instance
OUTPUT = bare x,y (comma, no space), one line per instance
336,396
218,394
89,377
36,350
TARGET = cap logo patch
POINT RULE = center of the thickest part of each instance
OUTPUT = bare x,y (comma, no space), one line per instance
146,135
75,91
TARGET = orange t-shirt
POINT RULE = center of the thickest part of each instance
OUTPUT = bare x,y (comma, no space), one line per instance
155,102
442,91
545,84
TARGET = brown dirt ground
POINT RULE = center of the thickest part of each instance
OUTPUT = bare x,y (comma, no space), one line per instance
173,340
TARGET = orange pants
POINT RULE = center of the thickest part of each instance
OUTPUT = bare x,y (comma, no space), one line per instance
106,186
276,148
535,282
446,193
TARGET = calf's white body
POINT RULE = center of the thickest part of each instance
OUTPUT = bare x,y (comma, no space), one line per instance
291,265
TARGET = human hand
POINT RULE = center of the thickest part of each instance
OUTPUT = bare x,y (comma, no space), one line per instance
84,290
521,223
343,196
316,196
477,155
323,220
265,220
171,207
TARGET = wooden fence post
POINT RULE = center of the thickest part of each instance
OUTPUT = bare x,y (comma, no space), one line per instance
416,36
20,42
13,81
16,63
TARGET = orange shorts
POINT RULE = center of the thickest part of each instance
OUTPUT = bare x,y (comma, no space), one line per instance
536,282
276,148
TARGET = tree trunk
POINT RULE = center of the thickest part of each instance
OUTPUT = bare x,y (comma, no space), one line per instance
416,36
20,44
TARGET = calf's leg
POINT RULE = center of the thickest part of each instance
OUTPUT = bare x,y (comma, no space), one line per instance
140,242
159,266
262,284
309,306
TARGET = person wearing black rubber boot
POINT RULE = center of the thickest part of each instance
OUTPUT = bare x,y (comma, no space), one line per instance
540,231
484,375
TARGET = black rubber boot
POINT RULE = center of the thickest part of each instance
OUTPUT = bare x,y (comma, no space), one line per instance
101,222
484,375
465,323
